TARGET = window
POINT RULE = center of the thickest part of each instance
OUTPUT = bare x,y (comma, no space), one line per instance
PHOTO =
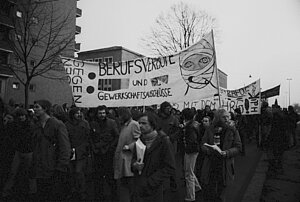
18,37
17,60
34,41
16,85
108,60
32,87
19,14
32,63
91,60
99,60
34,20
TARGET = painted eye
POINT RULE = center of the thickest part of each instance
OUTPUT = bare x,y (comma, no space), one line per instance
189,65
203,61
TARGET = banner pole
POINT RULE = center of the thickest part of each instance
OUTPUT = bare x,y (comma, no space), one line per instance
217,73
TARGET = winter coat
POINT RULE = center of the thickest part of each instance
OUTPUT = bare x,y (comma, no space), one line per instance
22,136
79,137
130,131
170,126
191,133
52,149
104,135
232,146
159,165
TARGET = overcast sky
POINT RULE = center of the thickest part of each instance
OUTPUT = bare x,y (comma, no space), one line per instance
260,38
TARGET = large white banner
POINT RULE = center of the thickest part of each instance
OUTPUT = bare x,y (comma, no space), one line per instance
188,75
246,98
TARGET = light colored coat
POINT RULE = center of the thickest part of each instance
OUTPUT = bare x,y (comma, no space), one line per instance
130,132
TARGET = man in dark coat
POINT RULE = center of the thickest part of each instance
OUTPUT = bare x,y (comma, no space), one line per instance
79,131
51,153
104,135
158,164
169,124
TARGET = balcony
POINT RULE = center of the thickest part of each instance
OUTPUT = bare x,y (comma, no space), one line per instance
6,21
78,30
77,47
5,46
78,12
12,1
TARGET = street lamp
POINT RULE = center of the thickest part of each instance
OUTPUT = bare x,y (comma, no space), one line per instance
289,79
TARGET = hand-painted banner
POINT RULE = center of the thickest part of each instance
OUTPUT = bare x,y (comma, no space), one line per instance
188,75
246,98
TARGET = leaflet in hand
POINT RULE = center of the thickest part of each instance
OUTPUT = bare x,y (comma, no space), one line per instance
214,147
140,151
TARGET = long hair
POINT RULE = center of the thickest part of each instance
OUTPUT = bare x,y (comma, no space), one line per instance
217,121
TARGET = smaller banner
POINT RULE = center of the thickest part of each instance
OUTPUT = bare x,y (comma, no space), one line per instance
246,98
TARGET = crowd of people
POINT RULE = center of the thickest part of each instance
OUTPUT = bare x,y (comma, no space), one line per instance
52,149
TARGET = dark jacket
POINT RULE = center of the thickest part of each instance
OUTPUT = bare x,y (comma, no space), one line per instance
170,126
159,165
79,137
52,149
232,146
23,136
191,133
104,135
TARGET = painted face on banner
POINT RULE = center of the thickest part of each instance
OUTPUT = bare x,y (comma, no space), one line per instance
197,65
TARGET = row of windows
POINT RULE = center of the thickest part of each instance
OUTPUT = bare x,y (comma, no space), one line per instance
107,60
34,20
16,86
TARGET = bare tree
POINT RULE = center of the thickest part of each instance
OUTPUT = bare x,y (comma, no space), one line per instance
181,27
42,32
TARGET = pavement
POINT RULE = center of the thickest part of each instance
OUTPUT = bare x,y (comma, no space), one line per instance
281,187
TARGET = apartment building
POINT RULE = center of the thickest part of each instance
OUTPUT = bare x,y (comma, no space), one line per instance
49,84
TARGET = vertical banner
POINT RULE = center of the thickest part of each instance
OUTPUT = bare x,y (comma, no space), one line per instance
188,75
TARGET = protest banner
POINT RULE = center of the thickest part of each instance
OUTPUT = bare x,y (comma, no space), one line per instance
189,75
246,98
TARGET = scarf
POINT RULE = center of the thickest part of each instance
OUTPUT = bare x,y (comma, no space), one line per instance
149,138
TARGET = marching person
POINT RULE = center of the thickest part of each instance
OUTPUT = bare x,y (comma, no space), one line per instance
158,164
78,130
191,150
22,141
51,154
241,126
104,135
218,167
169,124
130,132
